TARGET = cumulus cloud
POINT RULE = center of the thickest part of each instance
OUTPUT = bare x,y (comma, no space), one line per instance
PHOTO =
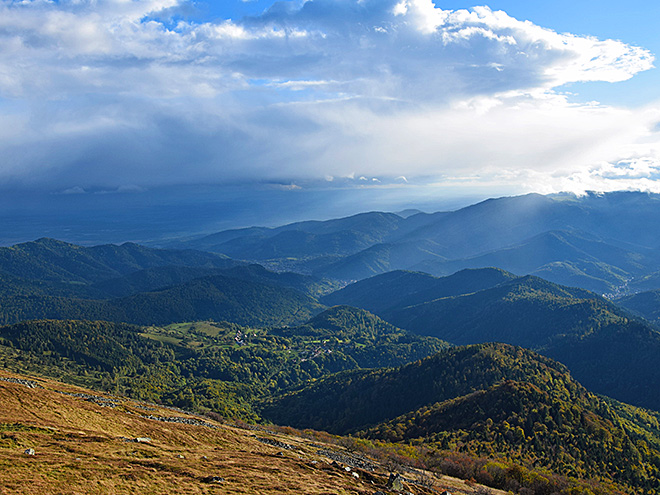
98,94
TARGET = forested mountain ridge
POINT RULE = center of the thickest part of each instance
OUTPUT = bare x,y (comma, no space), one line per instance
645,304
215,297
354,400
134,284
606,347
217,366
489,399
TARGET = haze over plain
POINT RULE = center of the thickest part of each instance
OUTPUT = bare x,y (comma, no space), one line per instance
119,113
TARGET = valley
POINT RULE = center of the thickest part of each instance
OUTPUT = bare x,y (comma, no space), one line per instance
381,344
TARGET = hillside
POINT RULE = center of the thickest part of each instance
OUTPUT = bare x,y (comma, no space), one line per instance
55,438
369,340
217,297
57,261
605,347
490,399
219,367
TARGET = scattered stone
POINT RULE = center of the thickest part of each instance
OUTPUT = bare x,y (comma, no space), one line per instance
347,469
355,475
274,443
354,460
252,427
20,381
179,456
445,493
142,440
96,399
179,419
29,452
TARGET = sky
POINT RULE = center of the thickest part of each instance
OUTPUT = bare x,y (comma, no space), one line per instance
108,105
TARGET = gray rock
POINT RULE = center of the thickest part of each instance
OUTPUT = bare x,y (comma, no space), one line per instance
20,381
213,479
395,482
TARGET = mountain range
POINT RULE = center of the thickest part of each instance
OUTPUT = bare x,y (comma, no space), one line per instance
472,341
605,346
600,242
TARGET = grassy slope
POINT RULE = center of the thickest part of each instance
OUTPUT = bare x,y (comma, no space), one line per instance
81,447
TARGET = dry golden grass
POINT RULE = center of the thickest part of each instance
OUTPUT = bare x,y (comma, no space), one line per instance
83,448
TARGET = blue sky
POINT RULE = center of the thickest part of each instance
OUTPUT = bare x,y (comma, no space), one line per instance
633,22
408,98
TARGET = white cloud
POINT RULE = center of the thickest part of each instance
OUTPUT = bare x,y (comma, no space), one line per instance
110,92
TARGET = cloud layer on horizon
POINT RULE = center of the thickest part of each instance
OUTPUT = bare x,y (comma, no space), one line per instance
116,94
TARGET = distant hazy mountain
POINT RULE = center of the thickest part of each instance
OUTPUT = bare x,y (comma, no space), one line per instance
52,260
598,242
302,239
645,304
381,258
384,293
568,258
